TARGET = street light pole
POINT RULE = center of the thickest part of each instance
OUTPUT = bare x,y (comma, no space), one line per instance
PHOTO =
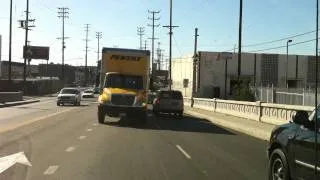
289,41
10,42
316,125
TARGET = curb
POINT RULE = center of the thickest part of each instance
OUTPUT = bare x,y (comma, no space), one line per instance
254,132
17,103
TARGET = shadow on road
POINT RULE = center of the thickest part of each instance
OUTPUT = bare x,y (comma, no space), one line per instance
71,105
173,123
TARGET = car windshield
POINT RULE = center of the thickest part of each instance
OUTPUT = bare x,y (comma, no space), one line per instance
124,81
69,91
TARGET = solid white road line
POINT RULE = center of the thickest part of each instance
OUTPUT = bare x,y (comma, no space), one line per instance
70,149
89,130
82,137
183,152
51,170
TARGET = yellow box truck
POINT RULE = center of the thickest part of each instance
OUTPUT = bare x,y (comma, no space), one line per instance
124,83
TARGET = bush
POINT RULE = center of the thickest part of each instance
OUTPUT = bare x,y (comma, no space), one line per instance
243,93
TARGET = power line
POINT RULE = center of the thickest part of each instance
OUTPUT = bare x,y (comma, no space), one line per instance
283,46
282,39
177,46
276,40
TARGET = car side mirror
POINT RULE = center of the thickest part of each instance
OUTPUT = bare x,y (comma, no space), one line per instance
301,118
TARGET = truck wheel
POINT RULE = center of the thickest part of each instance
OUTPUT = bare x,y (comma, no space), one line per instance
101,116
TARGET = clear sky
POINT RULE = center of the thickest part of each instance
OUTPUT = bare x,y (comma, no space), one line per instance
217,20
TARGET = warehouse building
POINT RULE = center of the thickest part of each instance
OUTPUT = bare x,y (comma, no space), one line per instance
217,74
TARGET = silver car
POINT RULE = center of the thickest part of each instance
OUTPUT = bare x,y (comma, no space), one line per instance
88,94
69,96
168,102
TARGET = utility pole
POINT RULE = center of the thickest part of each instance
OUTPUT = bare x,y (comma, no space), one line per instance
170,46
86,57
158,55
195,58
24,24
145,44
63,13
10,42
240,42
140,32
98,36
316,163
153,38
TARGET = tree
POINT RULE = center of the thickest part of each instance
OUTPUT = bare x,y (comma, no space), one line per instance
243,92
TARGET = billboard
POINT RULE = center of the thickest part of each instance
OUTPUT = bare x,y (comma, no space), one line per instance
36,52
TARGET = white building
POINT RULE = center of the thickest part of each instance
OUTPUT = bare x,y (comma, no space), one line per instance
259,69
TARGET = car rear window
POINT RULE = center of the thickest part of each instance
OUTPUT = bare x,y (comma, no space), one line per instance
176,95
170,95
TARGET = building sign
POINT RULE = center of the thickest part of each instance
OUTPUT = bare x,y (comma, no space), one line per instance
36,52
125,58
226,55
185,83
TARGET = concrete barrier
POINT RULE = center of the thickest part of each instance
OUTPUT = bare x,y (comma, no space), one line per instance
258,111
10,97
17,103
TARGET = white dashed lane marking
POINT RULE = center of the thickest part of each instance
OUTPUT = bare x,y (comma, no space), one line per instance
94,124
70,149
89,130
51,170
183,152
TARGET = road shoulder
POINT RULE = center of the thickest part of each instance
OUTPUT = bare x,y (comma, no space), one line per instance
253,128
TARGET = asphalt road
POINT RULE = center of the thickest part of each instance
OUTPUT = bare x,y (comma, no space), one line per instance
68,143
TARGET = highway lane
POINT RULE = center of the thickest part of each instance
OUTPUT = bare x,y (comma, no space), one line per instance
72,145
14,116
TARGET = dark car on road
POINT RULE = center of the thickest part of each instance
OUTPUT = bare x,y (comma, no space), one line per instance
291,149
168,102
96,90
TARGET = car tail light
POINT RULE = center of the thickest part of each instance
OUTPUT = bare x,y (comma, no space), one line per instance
157,101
